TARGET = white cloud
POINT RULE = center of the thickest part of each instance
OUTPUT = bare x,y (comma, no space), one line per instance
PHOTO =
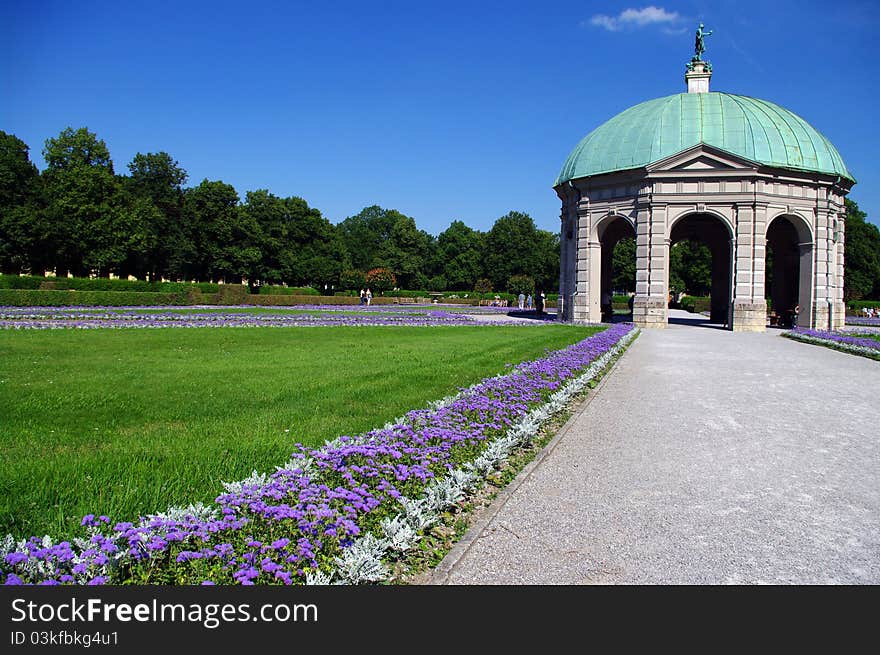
601,20
636,18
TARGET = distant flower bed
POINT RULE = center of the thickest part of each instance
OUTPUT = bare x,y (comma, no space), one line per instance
38,318
863,320
335,514
851,342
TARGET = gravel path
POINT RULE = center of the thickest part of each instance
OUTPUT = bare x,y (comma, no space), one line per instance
706,456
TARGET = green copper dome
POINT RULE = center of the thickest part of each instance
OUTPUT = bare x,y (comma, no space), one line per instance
754,129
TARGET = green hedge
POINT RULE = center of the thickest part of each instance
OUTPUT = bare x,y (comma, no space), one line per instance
406,293
50,298
695,304
227,295
271,290
290,300
101,284
853,307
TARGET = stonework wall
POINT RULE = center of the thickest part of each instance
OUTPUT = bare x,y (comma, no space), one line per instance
704,181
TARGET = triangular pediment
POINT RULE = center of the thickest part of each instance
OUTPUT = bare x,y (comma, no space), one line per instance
702,158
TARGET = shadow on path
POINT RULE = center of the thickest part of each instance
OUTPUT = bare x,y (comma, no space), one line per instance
695,320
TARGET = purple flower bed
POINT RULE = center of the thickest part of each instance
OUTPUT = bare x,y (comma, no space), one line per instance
853,342
32,318
328,510
863,320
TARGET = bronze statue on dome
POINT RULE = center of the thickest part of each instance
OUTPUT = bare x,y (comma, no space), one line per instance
699,44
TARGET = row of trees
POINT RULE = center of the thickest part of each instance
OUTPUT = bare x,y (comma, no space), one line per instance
80,216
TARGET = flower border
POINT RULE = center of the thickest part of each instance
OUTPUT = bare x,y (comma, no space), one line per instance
366,560
848,343
322,496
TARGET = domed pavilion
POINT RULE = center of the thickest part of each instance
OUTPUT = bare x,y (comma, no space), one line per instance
733,172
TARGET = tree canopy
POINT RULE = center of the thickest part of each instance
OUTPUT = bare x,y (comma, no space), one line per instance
87,228
690,268
460,252
22,232
861,255
80,216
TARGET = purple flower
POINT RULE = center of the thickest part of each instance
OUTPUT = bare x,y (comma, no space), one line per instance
323,512
16,558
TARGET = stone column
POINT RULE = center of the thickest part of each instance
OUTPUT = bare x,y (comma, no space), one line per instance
839,302
563,266
814,311
822,270
583,265
568,260
650,305
594,295
749,306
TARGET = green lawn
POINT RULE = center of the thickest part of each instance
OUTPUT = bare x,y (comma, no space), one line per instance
124,422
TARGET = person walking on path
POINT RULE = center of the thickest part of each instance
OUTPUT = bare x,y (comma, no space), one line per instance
529,302
363,297
369,296
522,300
539,303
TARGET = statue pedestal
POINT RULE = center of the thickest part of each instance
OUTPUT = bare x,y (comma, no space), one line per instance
697,77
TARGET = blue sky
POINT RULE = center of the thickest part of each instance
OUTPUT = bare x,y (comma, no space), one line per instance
442,110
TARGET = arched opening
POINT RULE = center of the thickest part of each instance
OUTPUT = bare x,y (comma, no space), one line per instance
618,278
700,257
788,272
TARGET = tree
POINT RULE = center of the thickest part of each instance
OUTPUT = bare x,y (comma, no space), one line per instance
158,179
512,248
437,283
138,236
380,279
351,279
385,238
298,245
861,255
623,265
21,213
483,286
460,251
365,234
521,284
407,252
87,227
547,256
315,250
222,237
690,268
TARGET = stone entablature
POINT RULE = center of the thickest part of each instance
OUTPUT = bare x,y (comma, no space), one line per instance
743,196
